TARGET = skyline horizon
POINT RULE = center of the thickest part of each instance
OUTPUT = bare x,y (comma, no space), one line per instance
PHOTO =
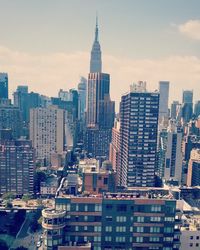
168,51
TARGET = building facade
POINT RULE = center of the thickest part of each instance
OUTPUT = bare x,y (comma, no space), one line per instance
164,98
114,221
4,85
47,131
138,137
17,166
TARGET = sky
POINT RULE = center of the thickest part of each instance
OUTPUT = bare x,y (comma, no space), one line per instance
46,44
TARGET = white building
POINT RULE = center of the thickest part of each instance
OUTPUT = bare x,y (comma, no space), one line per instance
47,131
170,155
190,233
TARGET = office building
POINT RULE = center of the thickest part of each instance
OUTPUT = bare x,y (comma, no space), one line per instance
112,221
95,59
4,85
114,153
187,105
10,118
163,105
17,165
138,137
25,101
82,91
175,110
100,108
170,155
197,109
47,131
193,174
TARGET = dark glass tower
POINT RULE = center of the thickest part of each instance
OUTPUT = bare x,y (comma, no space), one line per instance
4,85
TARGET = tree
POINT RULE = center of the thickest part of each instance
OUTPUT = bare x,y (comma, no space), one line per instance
8,196
26,197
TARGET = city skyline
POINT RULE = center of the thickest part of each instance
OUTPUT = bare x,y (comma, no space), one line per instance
48,58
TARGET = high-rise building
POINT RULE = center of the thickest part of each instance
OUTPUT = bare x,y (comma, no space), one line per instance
187,105
25,101
114,153
47,131
4,85
114,221
193,174
139,111
17,165
163,105
197,109
100,108
82,91
175,107
170,155
10,118
95,59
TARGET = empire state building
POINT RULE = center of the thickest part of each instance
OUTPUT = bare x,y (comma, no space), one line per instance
95,60
100,108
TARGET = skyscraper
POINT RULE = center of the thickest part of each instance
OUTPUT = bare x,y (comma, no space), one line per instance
100,108
10,118
170,155
4,85
82,91
47,131
17,165
138,137
187,105
95,60
164,97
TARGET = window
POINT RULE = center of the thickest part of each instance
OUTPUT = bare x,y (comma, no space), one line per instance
191,237
98,208
121,218
85,239
154,229
108,229
155,219
197,237
105,181
154,239
108,238
120,239
168,239
108,218
170,219
121,208
97,228
140,219
76,228
155,208
139,239
109,207
197,244
97,238
120,229
168,230
86,208
85,218
140,229
85,228
191,244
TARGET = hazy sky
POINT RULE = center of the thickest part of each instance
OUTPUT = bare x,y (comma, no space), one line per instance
46,43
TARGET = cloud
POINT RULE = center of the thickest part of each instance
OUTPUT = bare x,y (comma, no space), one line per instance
47,73
190,29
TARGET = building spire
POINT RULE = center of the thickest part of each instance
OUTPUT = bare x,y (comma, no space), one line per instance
96,29
95,60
